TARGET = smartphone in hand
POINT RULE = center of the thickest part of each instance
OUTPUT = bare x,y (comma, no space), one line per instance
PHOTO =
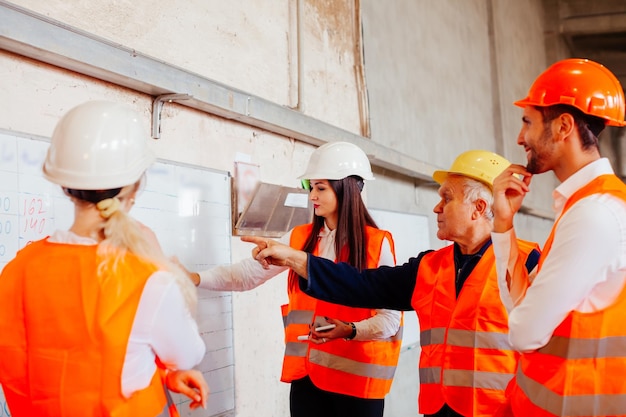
325,328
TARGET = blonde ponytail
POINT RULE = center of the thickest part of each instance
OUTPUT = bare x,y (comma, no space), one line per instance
123,234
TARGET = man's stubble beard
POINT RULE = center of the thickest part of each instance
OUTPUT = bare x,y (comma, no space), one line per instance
536,163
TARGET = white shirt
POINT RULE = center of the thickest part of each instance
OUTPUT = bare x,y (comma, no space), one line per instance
249,274
162,327
584,271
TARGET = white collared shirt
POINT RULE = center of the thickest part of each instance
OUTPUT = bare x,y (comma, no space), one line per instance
585,270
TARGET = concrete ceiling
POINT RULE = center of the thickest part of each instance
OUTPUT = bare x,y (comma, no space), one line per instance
594,29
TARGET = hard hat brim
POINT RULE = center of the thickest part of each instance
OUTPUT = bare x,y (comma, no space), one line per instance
327,176
440,176
528,102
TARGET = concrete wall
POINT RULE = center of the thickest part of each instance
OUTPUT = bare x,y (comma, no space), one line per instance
440,78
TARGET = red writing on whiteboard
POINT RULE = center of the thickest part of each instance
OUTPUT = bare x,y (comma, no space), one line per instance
35,215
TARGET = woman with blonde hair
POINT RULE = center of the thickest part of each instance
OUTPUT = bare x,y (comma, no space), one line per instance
95,319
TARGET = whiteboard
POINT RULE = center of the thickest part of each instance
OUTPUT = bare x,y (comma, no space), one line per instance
410,236
187,207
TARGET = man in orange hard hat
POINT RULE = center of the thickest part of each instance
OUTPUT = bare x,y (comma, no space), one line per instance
466,360
569,323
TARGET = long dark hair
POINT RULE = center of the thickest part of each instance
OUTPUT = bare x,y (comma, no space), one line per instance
352,217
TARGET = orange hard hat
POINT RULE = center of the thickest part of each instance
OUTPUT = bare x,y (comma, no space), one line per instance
581,83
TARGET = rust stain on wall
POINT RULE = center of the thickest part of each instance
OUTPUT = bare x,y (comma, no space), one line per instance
336,17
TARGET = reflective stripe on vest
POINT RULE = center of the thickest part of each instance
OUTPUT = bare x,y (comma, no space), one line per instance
466,338
580,371
572,405
569,348
340,363
364,369
463,377
303,317
297,349
298,317
361,369
461,366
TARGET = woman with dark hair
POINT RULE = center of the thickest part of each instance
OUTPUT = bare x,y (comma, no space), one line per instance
348,369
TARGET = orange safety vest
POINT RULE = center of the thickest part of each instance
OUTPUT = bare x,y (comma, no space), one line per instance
466,359
580,371
363,369
64,334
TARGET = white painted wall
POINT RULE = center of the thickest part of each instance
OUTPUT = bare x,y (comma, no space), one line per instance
430,87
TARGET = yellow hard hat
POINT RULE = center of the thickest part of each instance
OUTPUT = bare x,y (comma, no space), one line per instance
483,166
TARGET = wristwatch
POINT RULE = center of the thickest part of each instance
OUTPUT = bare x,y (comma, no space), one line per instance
353,334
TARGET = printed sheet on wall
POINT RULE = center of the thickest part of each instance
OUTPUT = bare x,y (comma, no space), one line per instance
187,207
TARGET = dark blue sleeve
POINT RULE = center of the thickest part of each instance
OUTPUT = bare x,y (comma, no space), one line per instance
389,287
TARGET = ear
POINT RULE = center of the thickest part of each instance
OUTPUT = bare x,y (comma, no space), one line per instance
564,125
480,207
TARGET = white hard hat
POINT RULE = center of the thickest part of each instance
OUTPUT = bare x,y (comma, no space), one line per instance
98,145
338,160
